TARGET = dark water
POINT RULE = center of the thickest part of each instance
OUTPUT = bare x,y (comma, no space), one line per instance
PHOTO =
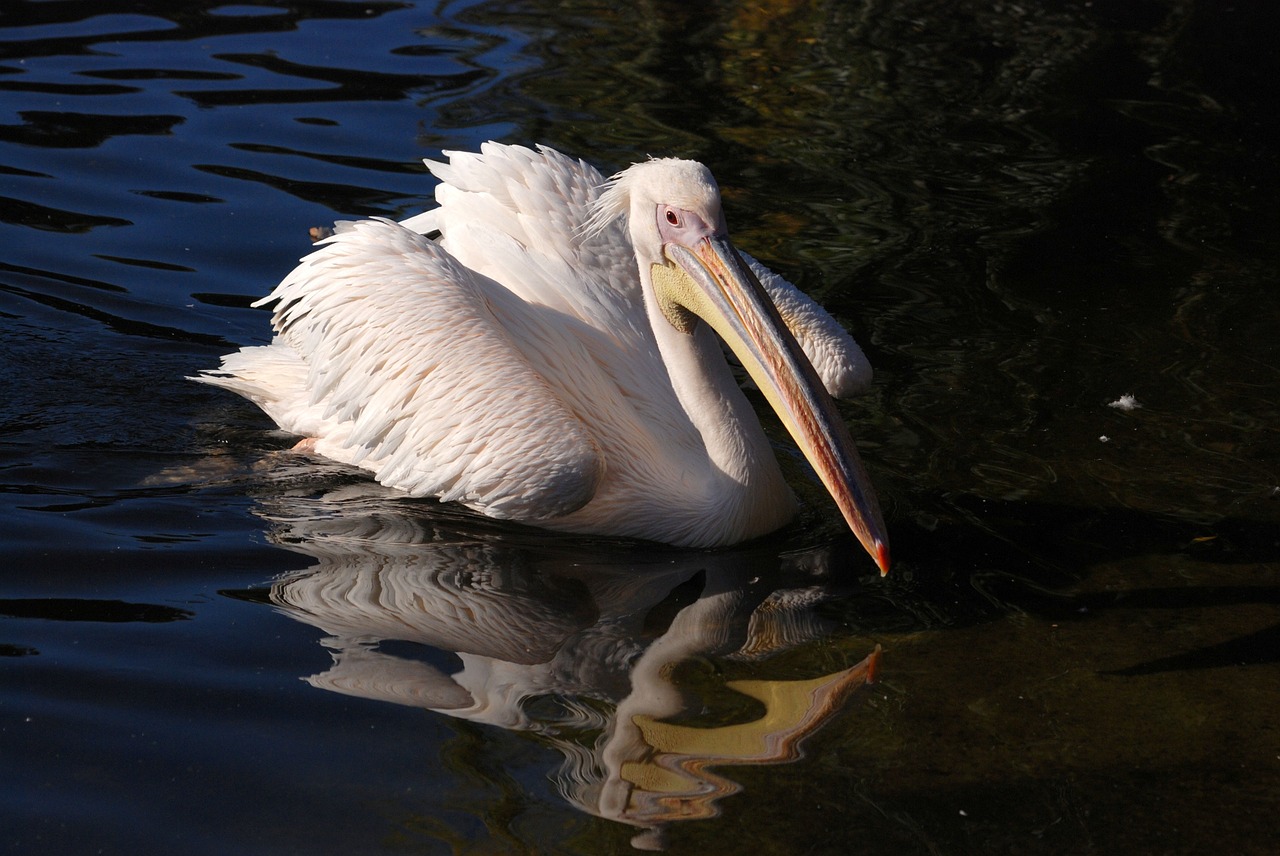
1023,212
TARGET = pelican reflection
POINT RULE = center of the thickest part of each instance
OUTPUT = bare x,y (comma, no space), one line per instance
593,648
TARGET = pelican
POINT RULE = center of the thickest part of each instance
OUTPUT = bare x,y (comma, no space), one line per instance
544,346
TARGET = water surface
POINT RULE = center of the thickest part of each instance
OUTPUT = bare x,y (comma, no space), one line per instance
1022,211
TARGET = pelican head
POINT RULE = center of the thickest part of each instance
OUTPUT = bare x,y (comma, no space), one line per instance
693,274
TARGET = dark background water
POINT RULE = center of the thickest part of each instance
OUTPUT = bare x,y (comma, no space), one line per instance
1023,211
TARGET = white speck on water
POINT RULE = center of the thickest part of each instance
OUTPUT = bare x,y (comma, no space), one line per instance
1126,403
1104,439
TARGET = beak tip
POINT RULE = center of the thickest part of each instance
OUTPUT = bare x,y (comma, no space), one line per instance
881,555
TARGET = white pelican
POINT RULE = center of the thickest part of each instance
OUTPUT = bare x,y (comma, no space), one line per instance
553,358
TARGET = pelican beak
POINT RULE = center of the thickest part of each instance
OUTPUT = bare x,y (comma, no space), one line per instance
718,287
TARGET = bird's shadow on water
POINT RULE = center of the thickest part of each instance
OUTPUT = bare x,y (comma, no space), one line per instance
650,669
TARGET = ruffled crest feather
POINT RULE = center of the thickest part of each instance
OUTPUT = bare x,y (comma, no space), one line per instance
613,202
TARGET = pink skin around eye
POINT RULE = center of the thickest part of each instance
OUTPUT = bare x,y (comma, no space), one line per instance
682,227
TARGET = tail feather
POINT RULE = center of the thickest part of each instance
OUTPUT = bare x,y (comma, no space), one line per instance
273,377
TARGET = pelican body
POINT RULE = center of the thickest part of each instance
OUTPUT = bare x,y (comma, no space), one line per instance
554,356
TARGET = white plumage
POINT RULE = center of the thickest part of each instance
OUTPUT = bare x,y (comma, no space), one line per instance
546,358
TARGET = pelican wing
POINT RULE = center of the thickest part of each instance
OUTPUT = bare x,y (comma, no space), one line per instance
518,215
844,369
387,352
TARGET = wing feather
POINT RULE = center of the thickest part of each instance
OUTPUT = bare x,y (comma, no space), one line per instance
401,367
839,361
517,215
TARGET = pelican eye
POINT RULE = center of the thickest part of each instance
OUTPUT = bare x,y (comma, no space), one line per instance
672,218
